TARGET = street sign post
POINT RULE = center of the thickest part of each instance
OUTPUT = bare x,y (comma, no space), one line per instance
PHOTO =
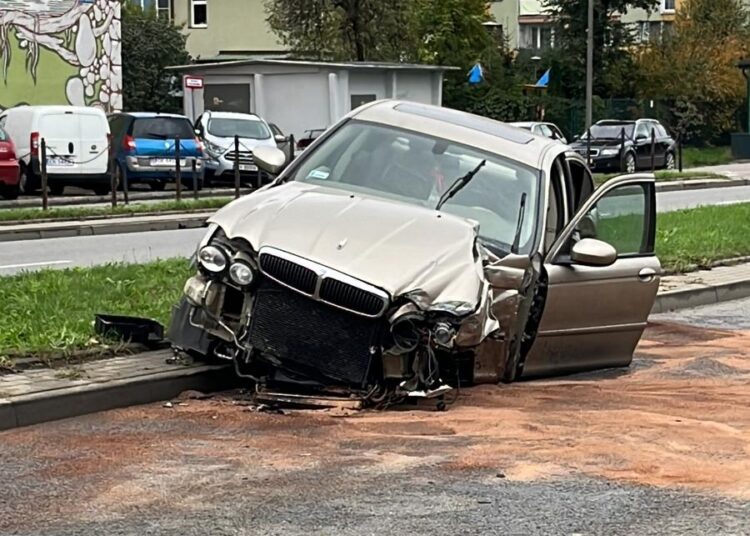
191,83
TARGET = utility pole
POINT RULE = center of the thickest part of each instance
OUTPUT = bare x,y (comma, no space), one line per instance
590,65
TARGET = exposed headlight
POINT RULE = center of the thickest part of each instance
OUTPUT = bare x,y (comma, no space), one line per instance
213,259
453,307
241,274
213,150
609,152
443,334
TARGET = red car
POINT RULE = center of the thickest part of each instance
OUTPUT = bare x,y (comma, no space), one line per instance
9,176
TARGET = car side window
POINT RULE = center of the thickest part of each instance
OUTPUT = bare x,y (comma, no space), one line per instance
621,218
546,131
643,130
2,120
661,132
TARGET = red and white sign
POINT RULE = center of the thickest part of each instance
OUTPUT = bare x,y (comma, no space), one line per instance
193,82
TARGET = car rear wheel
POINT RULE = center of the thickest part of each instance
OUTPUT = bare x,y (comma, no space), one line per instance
669,163
9,192
102,189
56,189
629,164
158,186
27,183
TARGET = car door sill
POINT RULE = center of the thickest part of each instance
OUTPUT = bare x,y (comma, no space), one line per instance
593,330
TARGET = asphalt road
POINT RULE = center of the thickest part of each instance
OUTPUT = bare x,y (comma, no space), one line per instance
657,449
30,255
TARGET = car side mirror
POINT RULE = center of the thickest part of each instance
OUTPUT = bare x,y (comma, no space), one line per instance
279,138
576,138
593,252
639,137
270,159
197,131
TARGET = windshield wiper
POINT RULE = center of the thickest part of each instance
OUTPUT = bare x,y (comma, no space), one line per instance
519,225
458,184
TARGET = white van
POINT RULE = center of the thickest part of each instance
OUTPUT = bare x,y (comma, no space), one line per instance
77,141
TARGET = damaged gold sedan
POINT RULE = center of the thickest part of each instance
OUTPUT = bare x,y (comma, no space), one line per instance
412,249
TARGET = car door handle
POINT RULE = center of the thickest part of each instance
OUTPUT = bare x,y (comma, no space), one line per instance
646,275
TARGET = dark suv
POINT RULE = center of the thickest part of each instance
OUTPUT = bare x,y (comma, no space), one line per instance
609,154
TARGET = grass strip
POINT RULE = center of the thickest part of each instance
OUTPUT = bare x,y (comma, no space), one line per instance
52,311
73,213
705,156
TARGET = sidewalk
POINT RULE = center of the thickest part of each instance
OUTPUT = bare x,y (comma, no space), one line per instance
704,287
37,396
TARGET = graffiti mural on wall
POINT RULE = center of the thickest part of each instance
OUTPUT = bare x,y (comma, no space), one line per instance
60,52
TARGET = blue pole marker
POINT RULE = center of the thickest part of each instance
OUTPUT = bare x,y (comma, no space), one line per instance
476,74
544,80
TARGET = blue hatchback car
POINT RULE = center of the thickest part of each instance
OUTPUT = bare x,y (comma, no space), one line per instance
145,149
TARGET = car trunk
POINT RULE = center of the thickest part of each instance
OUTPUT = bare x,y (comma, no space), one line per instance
155,138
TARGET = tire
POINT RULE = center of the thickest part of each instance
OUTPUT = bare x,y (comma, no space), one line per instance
103,189
157,186
10,192
27,183
56,189
629,164
669,161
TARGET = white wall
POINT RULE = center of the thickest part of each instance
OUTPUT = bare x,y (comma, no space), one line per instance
415,86
296,102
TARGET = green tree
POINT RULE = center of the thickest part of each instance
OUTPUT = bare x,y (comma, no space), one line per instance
361,30
695,68
614,66
149,44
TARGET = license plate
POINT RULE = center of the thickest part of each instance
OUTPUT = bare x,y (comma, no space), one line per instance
167,162
248,167
59,162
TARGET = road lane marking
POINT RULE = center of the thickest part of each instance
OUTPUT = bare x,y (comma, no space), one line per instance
32,264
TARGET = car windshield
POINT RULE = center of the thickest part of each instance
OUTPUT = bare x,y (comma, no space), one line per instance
611,131
3,135
162,128
244,128
416,168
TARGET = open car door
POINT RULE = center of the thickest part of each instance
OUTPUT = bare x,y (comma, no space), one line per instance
602,279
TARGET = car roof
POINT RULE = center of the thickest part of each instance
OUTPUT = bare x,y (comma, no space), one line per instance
147,115
26,108
615,122
464,128
523,124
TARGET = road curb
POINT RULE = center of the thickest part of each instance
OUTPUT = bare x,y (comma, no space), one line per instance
672,300
700,184
38,231
80,400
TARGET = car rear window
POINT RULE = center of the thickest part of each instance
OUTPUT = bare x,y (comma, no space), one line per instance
244,128
162,128
3,135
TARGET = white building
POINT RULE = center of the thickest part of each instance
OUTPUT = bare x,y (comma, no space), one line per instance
304,95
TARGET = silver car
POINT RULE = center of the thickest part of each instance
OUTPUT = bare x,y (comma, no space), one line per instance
413,248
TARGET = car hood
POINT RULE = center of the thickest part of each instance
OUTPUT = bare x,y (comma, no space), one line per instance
598,143
395,246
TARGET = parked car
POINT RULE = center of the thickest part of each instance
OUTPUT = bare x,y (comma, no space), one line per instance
77,145
283,141
217,131
308,137
417,247
145,149
9,168
609,154
548,130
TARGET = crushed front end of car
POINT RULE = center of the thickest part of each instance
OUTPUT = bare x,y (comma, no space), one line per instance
410,309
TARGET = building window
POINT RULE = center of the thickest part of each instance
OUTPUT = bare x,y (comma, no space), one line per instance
198,13
359,100
162,7
536,36
667,6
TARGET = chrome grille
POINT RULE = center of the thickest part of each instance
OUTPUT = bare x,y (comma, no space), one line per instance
322,283
594,152
290,274
245,157
350,297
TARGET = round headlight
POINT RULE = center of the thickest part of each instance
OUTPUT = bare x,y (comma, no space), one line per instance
213,259
241,274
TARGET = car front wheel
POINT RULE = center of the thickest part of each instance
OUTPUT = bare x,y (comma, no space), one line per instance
9,192
669,162
629,164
